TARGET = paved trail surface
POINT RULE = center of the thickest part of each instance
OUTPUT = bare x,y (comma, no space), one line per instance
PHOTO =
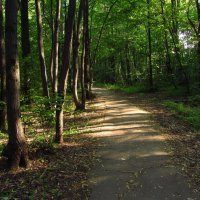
134,162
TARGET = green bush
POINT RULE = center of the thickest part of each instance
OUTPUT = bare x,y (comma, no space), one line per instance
43,110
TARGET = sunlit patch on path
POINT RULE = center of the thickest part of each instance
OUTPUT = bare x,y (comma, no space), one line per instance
134,161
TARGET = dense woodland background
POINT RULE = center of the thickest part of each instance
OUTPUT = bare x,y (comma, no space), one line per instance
63,47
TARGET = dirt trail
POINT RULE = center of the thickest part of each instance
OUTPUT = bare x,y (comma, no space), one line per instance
134,163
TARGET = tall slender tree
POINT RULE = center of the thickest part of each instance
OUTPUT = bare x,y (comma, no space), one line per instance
25,38
196,31
52,41
149,46
128,66
87,75
76,44
17,151
41,49
82,69
2,72
198,38
62,84
56,46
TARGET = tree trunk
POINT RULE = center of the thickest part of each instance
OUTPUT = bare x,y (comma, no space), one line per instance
52,42
149,47
128,66
197,32
198,38
82,77
174,17
56,47
41,49
3,73
87,52
112,64
62,85
25,39
17,151
76,44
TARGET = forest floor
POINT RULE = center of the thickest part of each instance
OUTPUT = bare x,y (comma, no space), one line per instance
56,171
145,151
123,147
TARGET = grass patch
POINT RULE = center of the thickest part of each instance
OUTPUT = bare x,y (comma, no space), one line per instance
71,131
185,112
134,89
109,86
127,89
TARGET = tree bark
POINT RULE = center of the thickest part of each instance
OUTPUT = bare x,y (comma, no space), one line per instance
82,77
112,65
56,47
87,74
149,47
76,44
52,42
198,38
25,39
3,73
62,85
128,66
197,32
17,151
41,49
174,19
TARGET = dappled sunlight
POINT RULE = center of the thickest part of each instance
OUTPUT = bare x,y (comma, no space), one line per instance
99,179
71,144
123,119
156,153
130,142
62,168
140,138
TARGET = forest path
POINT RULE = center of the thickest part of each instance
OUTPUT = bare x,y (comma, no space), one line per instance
135,164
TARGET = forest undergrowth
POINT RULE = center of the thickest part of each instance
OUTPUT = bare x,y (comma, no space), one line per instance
56,171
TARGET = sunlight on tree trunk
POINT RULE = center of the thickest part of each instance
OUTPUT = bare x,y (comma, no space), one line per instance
62,85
